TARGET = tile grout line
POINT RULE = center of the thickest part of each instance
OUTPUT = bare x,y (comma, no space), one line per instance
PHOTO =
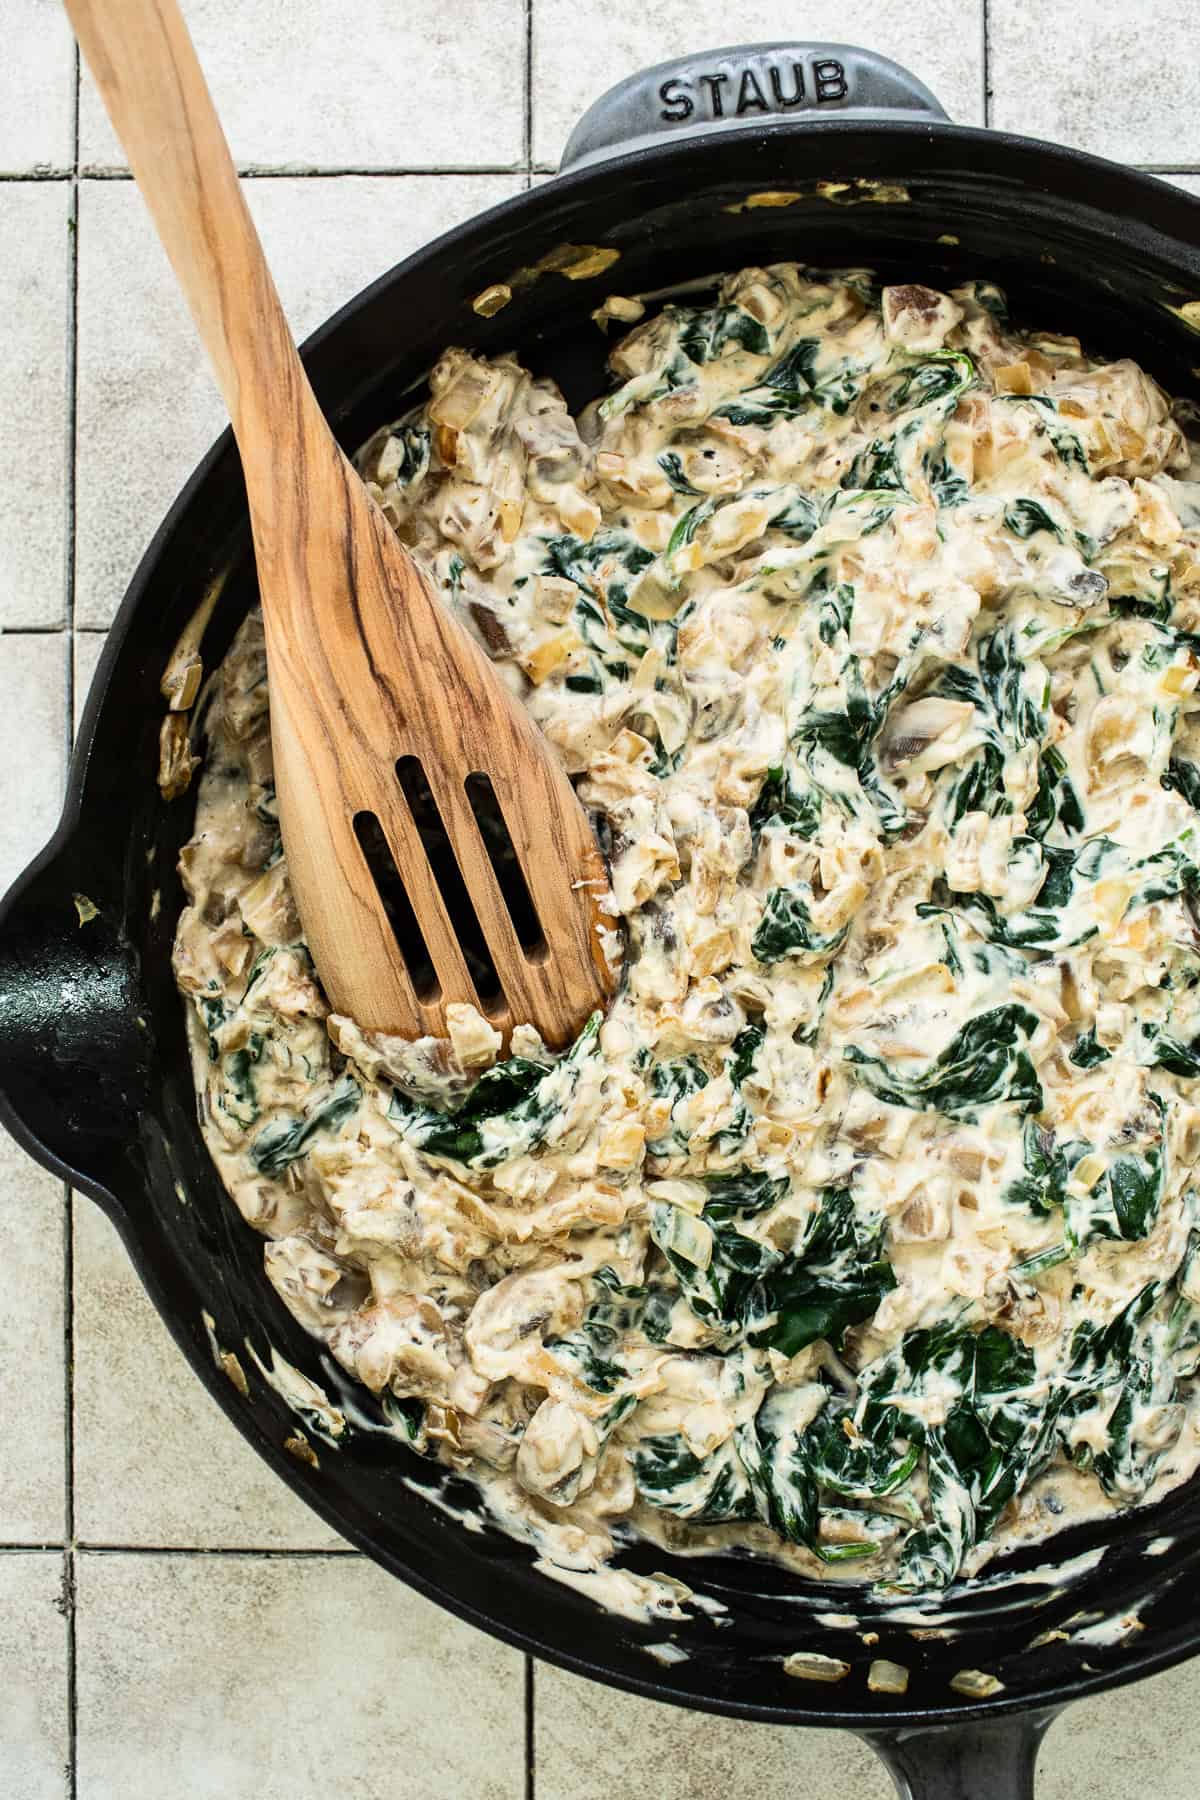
527,113
530,1755
336,172
272,1554
69,1566
239,1552
525,165
987,65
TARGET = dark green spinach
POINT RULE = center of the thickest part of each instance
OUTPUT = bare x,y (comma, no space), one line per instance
283,1140
785,928
985,1064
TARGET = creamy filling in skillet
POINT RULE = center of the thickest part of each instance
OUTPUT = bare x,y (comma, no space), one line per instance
863,1230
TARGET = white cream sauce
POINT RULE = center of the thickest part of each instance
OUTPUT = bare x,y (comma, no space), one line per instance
862,1232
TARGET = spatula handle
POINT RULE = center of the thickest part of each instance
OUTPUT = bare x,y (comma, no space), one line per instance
146,69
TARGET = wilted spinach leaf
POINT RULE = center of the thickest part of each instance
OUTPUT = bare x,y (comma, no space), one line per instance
705,332
785,927
1055,802
743,1050
1160,1051
1124,1202
781,802
836,1280
798,517
984,1064
997,1433
687,524
705,1491
1088,1052
672,468
1119,1369
1184,778
1025,517
518,1098
414,453
283,1140
675,1081
1048,1165
609,559
1067,446
742,1192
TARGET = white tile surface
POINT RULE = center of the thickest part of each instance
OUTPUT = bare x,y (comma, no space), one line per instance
312,84
1141,1743
32,1390
1121,81
33,400
37,88
594,1744
33,689
148,407
255,1679
578,51
33,1678
156,1461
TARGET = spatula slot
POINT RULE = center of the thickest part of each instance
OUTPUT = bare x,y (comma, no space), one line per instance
510,877
460,909
410,939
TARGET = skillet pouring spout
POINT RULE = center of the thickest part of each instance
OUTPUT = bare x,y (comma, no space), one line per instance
76,1050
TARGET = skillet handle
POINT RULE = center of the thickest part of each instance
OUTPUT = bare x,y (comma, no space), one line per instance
746,87
994,1760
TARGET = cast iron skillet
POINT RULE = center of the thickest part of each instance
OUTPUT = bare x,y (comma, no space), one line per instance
93,1070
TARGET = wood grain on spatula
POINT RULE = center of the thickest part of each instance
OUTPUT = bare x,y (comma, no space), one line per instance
366,667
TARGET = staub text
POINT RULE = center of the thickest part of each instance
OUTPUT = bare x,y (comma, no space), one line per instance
773,87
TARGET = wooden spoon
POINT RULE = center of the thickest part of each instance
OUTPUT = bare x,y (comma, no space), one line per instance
367,669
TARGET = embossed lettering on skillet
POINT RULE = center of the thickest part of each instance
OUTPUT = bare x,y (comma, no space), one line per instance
775,87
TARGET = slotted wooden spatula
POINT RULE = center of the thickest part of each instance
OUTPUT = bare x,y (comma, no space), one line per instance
368,672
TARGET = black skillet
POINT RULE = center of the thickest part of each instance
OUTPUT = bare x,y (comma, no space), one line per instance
94,1075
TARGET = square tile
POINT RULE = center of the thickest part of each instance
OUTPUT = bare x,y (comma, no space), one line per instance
1122,83
32,1375
1141,1740
33,740
37,88
363,225
578,51
34,1742
148,406
284,1679
33,400
156,1461
308,85
593,1743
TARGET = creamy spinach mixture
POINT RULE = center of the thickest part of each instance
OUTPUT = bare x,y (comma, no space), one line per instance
863,1231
